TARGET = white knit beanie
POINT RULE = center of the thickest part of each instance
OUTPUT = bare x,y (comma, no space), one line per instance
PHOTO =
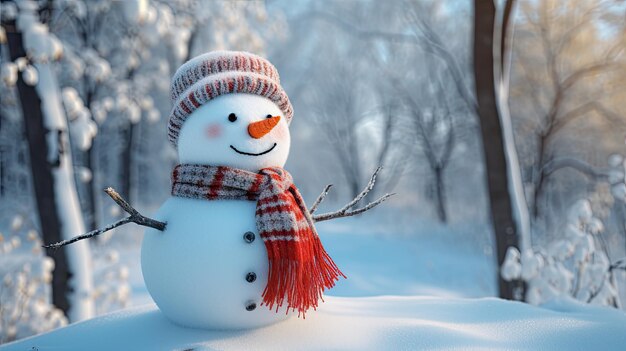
216,73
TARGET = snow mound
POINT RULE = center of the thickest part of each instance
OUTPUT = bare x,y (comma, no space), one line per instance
370,323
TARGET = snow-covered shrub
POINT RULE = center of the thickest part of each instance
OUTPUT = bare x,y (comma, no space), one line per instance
575,265
112,291
25,275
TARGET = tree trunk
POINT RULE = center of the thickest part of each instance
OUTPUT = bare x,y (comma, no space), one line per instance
92,222
91,197
126,166
440,196
500,201
53,182
42,175
539,176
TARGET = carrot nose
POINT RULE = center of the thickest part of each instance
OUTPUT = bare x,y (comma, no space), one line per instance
260,128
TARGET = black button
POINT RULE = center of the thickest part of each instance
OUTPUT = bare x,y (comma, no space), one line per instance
250,305
248,237
251,277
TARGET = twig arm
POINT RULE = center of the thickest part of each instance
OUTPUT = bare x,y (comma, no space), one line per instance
91,234
362,194
338,214
346,211
320,198
135,217
120,201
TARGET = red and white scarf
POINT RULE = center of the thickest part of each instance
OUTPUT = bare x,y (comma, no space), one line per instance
299,267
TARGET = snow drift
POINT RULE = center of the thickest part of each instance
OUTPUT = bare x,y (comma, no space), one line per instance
370,323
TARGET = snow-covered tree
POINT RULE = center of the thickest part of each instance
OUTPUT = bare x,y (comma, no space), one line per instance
577,264
33,51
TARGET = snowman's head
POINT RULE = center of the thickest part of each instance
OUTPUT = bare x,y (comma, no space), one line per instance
243,131
229,109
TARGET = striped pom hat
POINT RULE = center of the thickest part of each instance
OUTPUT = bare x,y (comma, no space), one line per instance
216,73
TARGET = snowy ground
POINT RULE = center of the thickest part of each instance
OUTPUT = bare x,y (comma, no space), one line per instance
404,291
366,323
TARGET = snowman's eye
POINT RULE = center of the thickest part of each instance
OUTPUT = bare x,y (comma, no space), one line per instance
268,116
232,117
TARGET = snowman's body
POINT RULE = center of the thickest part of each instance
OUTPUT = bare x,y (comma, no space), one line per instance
197,269
209,267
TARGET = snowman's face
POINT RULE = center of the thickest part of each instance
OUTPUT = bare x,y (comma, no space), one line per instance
243,131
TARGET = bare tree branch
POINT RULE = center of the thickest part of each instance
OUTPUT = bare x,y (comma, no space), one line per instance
588,70
581,111
345,211
135,217
619,264
579,165
429,41
531,87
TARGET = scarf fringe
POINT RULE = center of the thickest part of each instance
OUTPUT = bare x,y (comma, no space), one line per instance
299,283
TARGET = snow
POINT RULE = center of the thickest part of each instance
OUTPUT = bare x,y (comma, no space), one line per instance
572,266
135,10
39,44
447,262
30,75
375,308
366,323
511,268
8,73
83,128
514,172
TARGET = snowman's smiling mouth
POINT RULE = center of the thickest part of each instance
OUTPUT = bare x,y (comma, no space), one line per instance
251,153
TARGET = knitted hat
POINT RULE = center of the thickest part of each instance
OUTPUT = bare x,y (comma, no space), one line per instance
216,73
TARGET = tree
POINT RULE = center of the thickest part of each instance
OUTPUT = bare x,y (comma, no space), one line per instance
33,48
435,129
386,84
503,178
568,68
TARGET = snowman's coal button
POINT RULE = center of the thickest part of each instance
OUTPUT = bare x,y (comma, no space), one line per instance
248,237
250,277
250,306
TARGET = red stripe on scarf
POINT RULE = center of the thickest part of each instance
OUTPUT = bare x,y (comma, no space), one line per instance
216,184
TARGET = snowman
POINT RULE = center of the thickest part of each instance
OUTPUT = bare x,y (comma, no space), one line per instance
240,249
235,246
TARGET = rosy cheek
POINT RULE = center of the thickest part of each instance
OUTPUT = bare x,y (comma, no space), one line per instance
213,131
280,131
